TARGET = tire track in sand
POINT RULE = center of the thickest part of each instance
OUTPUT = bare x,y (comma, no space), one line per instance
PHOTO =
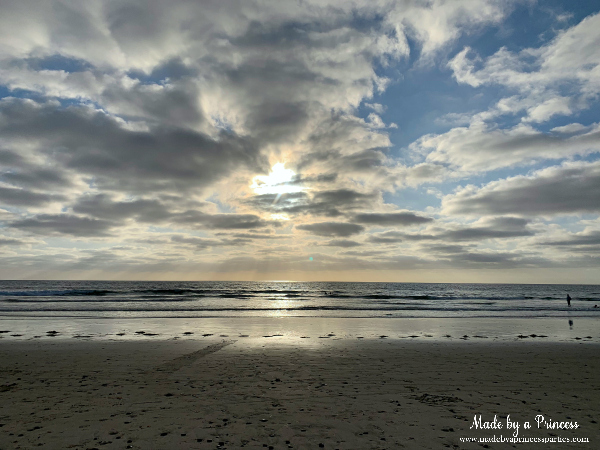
178,363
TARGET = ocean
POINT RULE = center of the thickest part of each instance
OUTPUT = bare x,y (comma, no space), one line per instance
219,299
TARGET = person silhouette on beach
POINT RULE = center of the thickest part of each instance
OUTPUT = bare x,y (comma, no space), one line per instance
568,300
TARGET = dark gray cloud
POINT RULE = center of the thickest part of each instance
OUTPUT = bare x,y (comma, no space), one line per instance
64,224
307,180
345,243
387,237
587,239
36,178
344,197
391,219
222,221
497,228
492,228
330,203
568,189
176,107
252,236
102,207
161,159
10,159
154,211
471,256
339,229
6,242
22,197
203,243
360,161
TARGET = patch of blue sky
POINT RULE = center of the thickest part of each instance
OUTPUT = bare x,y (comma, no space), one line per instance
20,93
360,21
5,92
144,78
528,25
174,69
590,157
585,117
480,179
417,199
420,99
40,97
569,222
223,207
59,62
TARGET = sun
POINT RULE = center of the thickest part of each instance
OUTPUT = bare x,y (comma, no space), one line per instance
279,181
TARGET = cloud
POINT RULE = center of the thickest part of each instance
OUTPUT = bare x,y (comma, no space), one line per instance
23,197
387,237
345,243
204,243
64,224
571,188
494,228
338,229
589,238
330,203
483,229
36,179
255,235
392,219
483,147
6,242
470,256
97,145
153,211
102,206
221,221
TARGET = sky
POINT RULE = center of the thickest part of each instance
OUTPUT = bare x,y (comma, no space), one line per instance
326,140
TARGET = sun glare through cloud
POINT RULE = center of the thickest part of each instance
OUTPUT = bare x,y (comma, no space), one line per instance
279,181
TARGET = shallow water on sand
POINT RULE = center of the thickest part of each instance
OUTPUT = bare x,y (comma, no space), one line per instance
305,331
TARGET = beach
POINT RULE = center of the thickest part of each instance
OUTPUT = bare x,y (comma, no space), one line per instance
314,386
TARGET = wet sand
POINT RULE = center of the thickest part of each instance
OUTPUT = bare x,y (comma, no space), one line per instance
275,391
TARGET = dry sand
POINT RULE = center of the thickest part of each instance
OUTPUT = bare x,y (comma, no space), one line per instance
275,392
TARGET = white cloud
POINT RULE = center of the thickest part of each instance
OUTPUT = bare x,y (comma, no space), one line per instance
483,147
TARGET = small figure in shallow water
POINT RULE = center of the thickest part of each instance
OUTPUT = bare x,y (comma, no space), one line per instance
568,300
